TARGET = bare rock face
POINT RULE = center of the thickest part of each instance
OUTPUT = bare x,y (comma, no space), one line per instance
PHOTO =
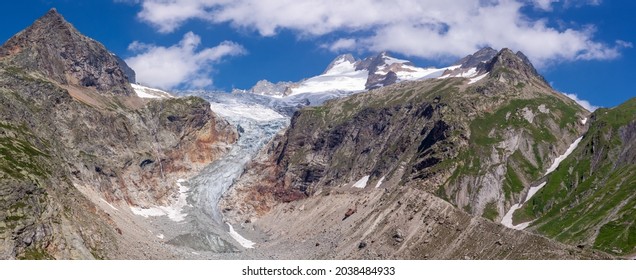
54,48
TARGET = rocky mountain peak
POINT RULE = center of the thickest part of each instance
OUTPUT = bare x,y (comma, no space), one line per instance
53,47
514,65
348,58
473,60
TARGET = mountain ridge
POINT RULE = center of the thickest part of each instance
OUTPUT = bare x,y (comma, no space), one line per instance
349,75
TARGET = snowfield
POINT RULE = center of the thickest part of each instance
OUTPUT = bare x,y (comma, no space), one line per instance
240,239
146,92
362,183
342,76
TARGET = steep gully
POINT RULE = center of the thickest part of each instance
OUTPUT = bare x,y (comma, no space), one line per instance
507,219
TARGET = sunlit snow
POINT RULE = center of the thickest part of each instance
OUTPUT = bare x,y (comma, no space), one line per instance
240,239
562,157
146,92
342,76
362,183
380,182
476,79
251,111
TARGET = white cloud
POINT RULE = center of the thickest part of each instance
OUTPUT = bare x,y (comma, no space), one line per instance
181,65
341,45
584,103
544,4
423,28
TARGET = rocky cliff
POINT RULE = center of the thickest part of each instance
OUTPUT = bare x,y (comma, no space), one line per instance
69,121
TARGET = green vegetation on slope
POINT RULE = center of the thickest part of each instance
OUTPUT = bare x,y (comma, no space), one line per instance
591,198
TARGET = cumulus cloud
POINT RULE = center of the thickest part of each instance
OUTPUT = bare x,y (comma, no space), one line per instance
584,103
180,65
544,4
424,28
341,45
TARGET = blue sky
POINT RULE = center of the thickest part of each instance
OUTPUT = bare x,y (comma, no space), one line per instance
582,47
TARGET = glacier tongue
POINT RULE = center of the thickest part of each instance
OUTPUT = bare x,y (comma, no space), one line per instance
257,124
201,227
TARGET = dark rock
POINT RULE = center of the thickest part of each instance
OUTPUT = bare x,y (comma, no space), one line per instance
349,212
398,236
362,245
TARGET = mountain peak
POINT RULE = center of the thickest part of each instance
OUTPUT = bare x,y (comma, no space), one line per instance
52,47
473,60
348,58
515,64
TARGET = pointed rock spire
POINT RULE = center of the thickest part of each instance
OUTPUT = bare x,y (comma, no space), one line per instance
54,48
514,66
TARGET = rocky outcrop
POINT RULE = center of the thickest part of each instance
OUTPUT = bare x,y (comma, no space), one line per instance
473,60
68,122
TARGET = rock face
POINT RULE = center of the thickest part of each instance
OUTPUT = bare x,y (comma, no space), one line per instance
590,199
69,127
482,56
478,145
55,49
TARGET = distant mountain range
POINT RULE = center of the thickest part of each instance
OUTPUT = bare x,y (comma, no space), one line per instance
346,74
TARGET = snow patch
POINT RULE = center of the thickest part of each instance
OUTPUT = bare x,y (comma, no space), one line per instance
476,79
559,159
240,239
507,219
584,121
380,182
533,190
174,211
362,183
146,92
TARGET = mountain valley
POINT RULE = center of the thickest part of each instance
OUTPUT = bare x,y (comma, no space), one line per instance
375,158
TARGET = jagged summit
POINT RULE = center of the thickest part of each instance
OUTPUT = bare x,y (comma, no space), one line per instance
481,56
339,60
54,48
513,66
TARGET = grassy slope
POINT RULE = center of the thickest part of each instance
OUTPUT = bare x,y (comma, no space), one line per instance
590,199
